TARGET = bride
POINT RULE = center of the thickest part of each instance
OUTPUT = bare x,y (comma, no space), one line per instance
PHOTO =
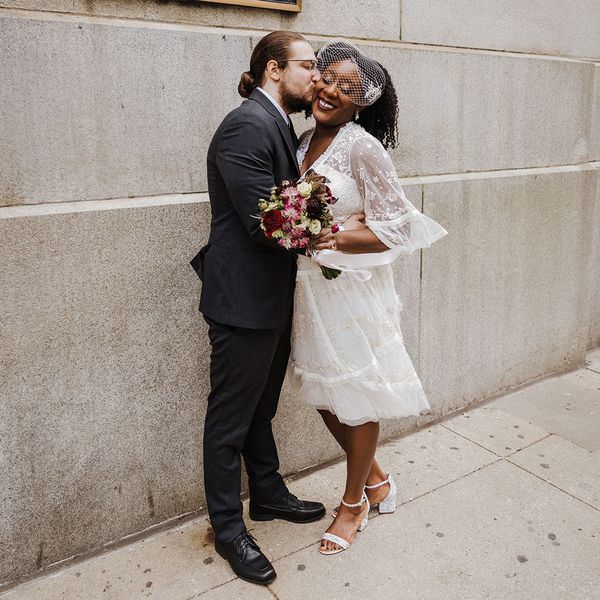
348,357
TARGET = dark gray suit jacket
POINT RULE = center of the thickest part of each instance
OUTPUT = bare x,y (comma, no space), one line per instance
247,280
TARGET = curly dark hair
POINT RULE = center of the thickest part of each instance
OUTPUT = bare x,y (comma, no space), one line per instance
381,118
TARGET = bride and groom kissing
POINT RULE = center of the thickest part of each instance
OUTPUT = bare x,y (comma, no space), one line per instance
270,311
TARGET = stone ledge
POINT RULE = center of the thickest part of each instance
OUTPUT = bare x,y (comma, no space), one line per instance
55,208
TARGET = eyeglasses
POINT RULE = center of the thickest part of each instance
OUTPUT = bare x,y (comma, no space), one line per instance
313,63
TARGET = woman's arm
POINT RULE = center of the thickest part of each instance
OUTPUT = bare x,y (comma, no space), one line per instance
353,237
352,241
387,210
391,220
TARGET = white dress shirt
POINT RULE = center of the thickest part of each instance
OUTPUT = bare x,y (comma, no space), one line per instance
276,105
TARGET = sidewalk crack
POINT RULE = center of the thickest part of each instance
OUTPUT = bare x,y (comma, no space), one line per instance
200,594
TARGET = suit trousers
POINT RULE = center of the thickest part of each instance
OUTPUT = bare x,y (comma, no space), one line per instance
247,368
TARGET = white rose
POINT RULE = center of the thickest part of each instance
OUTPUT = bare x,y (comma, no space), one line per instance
304,189
314,226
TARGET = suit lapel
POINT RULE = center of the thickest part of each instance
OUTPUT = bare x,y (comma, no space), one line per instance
294,136
259,97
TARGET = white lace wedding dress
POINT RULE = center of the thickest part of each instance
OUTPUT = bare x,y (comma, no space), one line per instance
348,354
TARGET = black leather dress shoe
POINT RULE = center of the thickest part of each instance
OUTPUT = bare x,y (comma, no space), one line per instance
288,508
246,559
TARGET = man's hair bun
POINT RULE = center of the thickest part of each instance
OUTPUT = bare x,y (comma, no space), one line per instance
246,85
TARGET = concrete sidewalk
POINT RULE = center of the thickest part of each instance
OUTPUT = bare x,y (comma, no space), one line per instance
502,502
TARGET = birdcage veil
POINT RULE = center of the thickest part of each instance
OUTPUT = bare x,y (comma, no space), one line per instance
356,75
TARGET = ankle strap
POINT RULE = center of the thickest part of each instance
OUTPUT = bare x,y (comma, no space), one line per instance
376,485
362,501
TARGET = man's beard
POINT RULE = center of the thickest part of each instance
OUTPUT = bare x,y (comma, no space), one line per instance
292,102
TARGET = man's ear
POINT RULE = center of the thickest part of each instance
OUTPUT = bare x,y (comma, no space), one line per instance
272,70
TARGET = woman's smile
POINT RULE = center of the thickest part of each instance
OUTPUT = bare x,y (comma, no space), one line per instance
325,104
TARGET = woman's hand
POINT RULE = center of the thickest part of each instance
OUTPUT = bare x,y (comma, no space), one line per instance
324,240
355,239
355,222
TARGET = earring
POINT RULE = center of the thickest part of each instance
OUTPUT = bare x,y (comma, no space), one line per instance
356,116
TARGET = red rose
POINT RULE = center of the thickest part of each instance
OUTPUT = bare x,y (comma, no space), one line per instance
272,221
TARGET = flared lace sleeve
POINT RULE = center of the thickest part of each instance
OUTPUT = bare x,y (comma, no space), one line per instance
389,213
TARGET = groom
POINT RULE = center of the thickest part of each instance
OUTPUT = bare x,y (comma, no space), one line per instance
247,301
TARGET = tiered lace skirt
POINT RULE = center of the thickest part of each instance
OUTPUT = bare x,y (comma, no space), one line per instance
348,354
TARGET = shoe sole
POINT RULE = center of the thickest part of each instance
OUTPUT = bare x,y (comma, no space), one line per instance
271,517
332,552
267,582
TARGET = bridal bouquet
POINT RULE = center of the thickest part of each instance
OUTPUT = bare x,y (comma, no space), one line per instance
295,211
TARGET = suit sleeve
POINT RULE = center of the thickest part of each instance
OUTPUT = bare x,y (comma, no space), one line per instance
244,160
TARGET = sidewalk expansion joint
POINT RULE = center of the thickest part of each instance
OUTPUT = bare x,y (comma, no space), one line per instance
499,459
464,437
492,451
554,486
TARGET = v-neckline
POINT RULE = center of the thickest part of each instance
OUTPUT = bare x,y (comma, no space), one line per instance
325,154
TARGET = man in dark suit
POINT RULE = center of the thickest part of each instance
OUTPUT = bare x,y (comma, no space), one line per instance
247,300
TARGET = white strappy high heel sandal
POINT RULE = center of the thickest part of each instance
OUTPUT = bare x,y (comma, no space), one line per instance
388,504
336,539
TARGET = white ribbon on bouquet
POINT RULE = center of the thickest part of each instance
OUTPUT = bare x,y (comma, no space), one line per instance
356,265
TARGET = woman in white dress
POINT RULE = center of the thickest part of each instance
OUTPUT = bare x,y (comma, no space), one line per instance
348,357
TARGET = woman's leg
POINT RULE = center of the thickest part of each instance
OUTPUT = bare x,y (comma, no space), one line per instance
335,427
376,474
361,443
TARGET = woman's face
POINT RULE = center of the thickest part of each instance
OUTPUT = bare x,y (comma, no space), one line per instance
331,105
